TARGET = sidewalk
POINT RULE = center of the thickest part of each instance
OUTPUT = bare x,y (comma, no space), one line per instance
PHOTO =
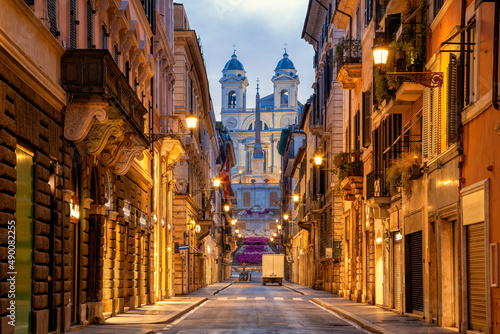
142,319
373,318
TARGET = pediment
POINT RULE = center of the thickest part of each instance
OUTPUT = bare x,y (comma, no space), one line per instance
232,78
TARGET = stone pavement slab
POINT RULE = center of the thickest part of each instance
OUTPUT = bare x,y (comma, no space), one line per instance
373,318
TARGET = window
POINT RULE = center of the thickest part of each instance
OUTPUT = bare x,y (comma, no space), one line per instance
90,25
127,71
52,14
366,129
116,53
273,198
72,24
231,99
437,6
368,11
104,37
470,65
246,198
430,113
284,98
452,94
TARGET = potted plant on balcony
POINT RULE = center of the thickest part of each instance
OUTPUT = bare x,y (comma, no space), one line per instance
347,164
402,171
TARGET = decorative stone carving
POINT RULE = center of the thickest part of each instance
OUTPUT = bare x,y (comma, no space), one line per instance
111,153
79,117
172,150
126,158
181,186
99,134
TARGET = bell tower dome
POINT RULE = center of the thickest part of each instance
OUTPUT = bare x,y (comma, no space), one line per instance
286,83
234,83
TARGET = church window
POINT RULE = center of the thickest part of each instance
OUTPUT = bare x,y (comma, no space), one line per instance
250,128
273,198
266,127
231,99
263,126
284,98
246,198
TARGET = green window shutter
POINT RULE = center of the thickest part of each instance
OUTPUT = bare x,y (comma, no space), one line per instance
426,114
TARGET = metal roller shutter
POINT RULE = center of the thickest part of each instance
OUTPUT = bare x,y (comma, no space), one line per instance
415,273
397,271
476,277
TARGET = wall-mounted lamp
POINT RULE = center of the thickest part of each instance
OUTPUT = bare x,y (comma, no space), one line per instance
295,198
216,183
191,122
285,216
226,207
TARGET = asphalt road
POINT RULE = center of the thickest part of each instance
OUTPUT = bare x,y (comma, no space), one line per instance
254,308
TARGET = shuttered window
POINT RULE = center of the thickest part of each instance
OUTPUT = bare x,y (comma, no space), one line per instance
366,119
426,114
90,25
397,270
435,114
414,273
116,53
452,90
476,277
72,24
52,14
430,119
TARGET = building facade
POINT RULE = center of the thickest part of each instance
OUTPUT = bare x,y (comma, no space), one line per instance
92,140
256,175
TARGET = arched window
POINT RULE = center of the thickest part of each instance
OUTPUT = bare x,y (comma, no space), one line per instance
284,98
263,126
231,99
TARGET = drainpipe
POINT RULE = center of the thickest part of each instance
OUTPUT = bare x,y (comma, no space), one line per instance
495,57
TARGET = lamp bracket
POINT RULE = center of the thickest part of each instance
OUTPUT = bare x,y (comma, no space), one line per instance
427,79
152,137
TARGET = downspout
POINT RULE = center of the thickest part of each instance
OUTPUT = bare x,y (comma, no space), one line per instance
350,90
494,98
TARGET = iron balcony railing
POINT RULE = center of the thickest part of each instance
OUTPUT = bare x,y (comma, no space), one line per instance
376,185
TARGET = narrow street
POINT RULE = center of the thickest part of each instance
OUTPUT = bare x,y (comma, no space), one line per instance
254,308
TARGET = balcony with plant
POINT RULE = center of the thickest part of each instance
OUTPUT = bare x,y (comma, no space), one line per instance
407,54
349,170
347,60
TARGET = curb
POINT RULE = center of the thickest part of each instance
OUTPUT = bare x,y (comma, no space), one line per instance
295,290
223,288
360,321
170,319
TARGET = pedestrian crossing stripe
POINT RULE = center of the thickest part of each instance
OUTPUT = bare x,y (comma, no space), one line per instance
258,298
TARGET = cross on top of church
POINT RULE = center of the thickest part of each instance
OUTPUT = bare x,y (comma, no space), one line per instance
234,48
285,46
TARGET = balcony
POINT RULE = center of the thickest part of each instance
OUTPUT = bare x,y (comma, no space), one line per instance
104,112
351,187
376,185
348,60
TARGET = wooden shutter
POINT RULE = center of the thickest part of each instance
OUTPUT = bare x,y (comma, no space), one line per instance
476,277
452,90
52,14
90,25
72,24
426,114
435,114
366,121
397,271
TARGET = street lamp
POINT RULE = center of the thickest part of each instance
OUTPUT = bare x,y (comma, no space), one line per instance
279,227
226,207
285,216
272,239
237,231
428,79
191,122
216,183
233,222
318,159
295,198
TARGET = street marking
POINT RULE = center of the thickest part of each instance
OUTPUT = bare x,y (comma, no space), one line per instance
222,298
278,298
241,298
260,298
297,298
169,326
352,323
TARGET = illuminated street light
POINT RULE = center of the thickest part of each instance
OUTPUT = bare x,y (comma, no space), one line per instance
272,239
216,183
285,216
279,227
226,207
318,160
191,122
233,222
295,198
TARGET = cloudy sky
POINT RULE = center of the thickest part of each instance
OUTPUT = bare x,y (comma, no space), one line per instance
260,29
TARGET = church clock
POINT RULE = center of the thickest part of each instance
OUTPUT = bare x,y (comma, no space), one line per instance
231,123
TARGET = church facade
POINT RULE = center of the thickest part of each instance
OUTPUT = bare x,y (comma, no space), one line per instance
255,178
